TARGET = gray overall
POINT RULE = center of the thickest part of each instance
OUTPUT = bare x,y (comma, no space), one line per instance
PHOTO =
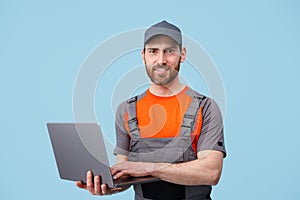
171,150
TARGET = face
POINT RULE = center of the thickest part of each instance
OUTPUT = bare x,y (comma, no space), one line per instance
162,57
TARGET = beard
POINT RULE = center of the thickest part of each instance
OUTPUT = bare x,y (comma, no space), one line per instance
162,78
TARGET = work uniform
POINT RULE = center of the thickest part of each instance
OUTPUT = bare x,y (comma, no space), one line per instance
171,129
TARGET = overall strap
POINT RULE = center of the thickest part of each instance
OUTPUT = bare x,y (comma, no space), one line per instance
189,118
132,118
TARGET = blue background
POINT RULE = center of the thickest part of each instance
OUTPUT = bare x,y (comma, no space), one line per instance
255,45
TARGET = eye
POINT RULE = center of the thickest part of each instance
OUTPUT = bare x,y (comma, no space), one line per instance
152,51
170,51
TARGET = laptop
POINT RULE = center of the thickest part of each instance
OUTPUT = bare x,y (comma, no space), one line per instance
78,148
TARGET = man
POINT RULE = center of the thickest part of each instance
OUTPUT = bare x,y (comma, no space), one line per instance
170,131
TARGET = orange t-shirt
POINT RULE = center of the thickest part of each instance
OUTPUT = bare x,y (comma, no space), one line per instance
161,117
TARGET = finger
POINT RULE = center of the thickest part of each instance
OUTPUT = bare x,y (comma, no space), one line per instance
105,190
80,184
120,174
89,182
97,188
118,167
114,169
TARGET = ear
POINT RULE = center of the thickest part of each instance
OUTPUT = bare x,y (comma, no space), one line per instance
143,55
182,55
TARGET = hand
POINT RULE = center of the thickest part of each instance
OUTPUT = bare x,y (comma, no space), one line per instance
136,169
95,187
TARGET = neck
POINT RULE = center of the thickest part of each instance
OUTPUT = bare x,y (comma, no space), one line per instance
172,88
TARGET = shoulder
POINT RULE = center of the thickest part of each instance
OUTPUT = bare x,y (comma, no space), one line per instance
124,106
194,94
208,104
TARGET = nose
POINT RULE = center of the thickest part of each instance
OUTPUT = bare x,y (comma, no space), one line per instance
162,58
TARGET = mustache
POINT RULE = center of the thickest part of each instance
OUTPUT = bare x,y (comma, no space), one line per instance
161,67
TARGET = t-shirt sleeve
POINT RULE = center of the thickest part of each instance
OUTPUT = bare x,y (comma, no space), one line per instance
122,137
212,132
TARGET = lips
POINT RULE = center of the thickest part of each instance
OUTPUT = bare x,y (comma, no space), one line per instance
161,71
161,68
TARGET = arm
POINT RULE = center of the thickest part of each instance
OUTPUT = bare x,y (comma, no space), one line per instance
206,170
202,171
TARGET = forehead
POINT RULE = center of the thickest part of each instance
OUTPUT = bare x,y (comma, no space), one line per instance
161,41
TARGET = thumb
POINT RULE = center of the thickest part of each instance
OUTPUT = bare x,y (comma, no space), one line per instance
80,184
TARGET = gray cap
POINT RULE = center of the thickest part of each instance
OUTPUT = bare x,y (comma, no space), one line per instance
163,28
